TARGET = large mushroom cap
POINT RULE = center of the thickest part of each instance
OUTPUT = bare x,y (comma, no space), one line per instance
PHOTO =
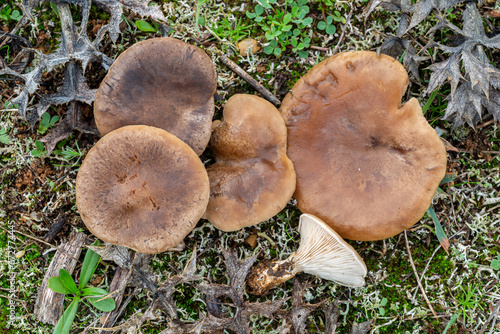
161,82
252,179
141,187
364,165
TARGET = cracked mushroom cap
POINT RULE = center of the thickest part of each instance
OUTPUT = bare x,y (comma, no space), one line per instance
252,179
365,165
162,82
143,188
322,252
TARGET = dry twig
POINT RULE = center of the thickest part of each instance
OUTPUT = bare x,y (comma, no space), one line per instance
251,81
492,318
416,276
342,35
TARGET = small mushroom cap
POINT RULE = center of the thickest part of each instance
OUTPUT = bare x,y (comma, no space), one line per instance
162,82
322,252
143,188
252,179
364,165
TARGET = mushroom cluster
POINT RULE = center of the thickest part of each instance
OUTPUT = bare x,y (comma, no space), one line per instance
359,165
143,185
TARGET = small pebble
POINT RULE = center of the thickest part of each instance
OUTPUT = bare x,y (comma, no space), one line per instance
246,45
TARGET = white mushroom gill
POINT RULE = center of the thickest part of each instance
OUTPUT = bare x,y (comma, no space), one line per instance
322,252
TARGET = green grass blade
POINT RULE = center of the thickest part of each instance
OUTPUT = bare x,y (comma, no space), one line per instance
64,324
89,266
451,322
429,101
443,239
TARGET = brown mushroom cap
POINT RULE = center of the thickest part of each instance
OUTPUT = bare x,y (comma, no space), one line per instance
162,82
366,167
141,187
252,179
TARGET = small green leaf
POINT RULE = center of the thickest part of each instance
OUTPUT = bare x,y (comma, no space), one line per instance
383,302
307,21
251,15
64,324
296,32
321,25
329,20
331,29
45,118
36,153
303,54
89,266
93,292
381,311
105,305
56,285
4,139
144,26
287,18
495,264
277,51
68,281
259,10
268,50
54,120
16,16
39,145
443,239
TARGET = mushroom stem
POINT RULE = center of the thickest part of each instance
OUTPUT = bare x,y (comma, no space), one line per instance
322,252
269,274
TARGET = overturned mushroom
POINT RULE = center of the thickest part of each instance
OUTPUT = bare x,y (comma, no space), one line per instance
322,252
143,188
252,179
162,82
365,165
